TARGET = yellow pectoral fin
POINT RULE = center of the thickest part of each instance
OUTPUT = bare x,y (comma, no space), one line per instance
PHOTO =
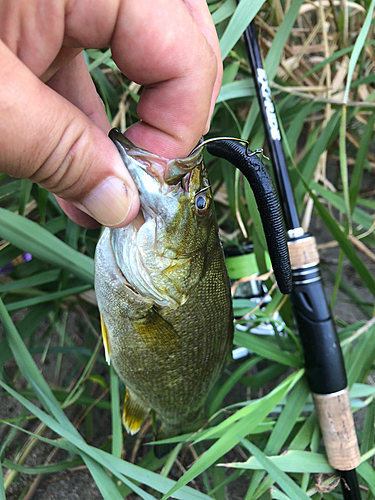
105,340
135,411
156,331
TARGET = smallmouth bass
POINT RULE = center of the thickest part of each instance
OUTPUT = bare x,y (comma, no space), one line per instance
163,292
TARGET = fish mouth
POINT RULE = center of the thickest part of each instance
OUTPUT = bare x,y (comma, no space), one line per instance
181,169
160,181
170,172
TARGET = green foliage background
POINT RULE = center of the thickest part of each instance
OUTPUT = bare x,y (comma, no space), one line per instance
319,58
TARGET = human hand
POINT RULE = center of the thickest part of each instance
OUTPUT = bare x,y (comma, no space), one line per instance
53,127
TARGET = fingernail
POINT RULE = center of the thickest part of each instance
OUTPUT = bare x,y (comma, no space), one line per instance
109,203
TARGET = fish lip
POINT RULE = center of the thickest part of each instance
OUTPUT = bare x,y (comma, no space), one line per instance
167,171
178,169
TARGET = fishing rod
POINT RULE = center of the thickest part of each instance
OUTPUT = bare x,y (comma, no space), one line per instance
324,364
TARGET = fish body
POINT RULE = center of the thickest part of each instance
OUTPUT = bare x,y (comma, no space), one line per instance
163,292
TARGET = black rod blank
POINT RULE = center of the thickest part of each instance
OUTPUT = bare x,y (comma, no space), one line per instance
272,130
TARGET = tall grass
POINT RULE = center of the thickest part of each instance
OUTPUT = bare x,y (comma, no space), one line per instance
262,434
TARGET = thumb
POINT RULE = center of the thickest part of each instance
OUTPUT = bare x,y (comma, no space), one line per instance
46,139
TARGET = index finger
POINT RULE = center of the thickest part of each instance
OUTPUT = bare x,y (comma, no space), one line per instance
161,45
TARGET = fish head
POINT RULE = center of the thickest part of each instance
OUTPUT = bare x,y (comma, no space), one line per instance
162,252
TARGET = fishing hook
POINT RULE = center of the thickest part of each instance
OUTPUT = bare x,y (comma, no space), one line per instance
215,139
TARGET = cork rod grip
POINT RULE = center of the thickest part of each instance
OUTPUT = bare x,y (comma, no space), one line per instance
336,423
303,252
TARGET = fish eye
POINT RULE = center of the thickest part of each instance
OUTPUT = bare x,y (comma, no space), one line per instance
202,204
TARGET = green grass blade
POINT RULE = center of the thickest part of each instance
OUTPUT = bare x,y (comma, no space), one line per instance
244,14
26,186
358,46
74,394
149,478
251,118
360,217
218,482
285,482
32,238
277,495
368,429
336,55
243,306
57,224
354,298
116,415
356,178
295,402
43,196
366,203
106,91
344,168
29,369
230,72
309,162
26,328
299,121
74,443
368,455
362,391
265,376
285,423
337,279
283,32
2,489
266,349
105,484
292,461
226,387
10,189
361,357
368,473
237,89
303,437
102,59
72,234
22,304
34,280
224,11
235,432
102,480
42,469
345,244
236,474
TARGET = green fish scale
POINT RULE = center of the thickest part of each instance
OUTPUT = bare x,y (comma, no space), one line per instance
175,378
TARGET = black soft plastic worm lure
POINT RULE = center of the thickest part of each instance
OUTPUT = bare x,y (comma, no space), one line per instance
267,201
